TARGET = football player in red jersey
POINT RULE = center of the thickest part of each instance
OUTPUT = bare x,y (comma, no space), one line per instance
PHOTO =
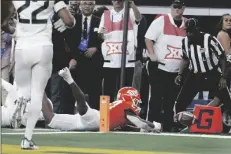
128,99
125,110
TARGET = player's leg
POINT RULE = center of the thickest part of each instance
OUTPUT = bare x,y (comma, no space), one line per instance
59,121
9,108
41,72
23,80
68,122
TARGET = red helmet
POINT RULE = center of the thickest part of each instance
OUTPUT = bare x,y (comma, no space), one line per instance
130,94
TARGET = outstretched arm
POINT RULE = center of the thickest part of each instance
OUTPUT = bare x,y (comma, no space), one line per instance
80,98
76,91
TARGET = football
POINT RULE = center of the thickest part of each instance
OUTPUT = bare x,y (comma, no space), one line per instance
185,118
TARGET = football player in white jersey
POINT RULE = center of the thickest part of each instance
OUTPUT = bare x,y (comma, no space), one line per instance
33,57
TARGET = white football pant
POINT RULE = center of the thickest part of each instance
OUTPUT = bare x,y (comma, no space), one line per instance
33,67
87,122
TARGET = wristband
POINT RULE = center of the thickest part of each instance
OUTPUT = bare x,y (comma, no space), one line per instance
60,5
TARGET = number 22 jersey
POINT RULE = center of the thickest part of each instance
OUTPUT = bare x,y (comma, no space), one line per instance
34,21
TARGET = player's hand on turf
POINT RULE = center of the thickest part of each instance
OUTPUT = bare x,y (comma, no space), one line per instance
178,80
222,83
72,64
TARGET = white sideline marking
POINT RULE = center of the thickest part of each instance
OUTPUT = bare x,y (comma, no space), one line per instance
131,133
37,129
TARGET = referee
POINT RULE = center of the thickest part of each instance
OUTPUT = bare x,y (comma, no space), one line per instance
206,60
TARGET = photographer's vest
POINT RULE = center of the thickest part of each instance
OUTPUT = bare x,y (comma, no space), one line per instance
113,39
169,44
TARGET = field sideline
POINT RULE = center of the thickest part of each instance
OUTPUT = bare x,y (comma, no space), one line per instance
56,142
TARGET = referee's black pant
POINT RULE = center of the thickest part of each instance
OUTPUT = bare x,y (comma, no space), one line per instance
163,95
196,82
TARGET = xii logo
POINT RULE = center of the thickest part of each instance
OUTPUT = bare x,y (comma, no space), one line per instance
174,53
114,48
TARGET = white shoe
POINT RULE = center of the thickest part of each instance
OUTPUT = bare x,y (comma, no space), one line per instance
66,75
16,120
28,145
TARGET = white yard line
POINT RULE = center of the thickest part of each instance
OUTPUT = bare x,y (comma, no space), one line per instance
129,133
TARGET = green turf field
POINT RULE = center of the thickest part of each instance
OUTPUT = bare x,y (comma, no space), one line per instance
56,142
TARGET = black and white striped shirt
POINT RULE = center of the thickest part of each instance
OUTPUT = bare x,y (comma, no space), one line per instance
204,57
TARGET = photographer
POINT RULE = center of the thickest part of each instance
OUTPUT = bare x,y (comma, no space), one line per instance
111,31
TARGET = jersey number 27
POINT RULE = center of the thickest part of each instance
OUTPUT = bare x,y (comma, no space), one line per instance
34,13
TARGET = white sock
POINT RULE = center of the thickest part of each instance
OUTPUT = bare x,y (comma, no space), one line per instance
30,125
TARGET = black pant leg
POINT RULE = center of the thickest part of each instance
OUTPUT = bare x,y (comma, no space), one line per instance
94,81
190,88
156,100
110,82
170,95
144,93
56,92
129,72
153,109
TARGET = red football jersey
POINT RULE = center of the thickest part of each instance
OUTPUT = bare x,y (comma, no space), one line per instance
127,98
117,114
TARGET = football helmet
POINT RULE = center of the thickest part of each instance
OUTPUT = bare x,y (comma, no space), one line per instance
128,98
130,94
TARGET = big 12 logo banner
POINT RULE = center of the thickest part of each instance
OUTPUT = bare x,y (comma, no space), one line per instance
174,53
114,48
